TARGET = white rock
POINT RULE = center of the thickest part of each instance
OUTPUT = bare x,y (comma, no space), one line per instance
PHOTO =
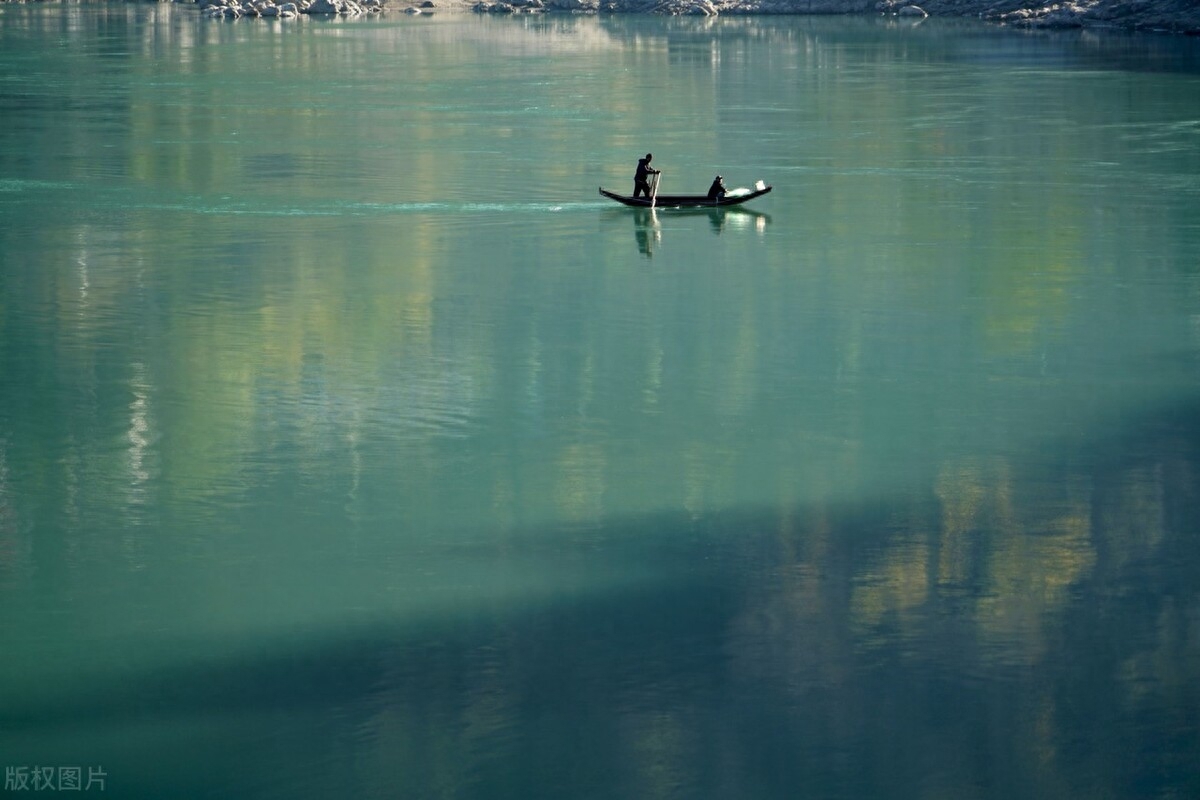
326,7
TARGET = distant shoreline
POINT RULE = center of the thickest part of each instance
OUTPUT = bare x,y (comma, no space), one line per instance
1158,16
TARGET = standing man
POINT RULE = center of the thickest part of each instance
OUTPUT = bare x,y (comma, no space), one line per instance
641,178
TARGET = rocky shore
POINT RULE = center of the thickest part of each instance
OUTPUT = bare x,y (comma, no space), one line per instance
1166,16
1172,16
1169,16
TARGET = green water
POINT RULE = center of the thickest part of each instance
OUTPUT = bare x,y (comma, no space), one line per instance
351,445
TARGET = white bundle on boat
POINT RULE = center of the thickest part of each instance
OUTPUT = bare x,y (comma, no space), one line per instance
742,190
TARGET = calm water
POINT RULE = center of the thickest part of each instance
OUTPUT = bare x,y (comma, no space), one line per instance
351,446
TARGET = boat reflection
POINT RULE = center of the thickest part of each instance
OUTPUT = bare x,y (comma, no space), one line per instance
647,223
737,218
646,230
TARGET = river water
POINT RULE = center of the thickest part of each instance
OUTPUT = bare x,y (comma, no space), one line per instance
351,445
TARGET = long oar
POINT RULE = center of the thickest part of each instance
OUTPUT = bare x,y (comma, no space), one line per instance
654,188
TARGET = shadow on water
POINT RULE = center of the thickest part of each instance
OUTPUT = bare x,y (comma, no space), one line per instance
938,39
1018,630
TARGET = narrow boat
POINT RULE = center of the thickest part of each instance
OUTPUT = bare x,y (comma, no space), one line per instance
733,198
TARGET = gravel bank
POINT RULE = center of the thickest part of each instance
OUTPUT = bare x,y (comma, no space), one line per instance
1172,16
1166,16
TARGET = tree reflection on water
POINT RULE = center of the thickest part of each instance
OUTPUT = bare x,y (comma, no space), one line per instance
1010,630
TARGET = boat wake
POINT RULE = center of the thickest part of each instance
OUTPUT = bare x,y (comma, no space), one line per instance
117,199
365,209
465,208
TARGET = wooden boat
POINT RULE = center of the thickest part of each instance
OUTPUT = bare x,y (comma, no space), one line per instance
685,200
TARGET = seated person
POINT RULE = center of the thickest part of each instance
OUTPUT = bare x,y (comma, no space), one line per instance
717,190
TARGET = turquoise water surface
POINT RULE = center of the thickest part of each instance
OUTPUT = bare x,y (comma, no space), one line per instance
351,445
